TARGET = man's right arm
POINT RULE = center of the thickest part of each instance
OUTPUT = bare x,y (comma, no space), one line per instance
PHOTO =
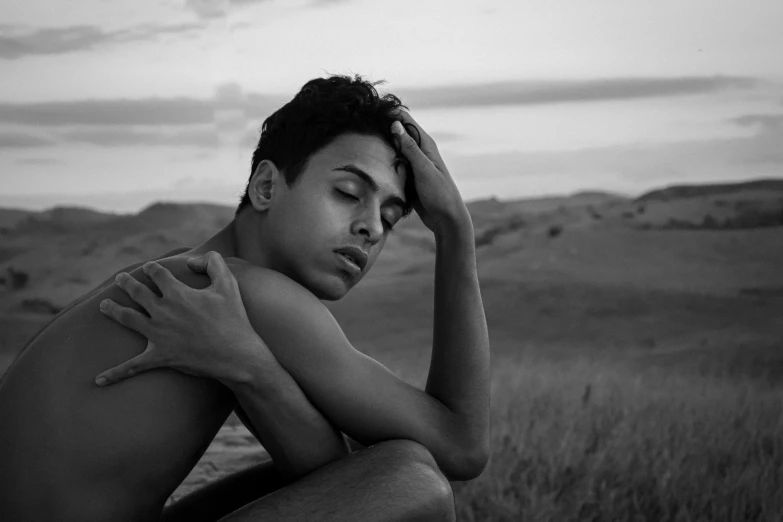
360,396
294,433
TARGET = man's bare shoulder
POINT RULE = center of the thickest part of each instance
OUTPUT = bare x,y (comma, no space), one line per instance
176,263
100,291
277,298
254,279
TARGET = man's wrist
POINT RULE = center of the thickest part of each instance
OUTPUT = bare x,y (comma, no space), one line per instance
457,227
252,360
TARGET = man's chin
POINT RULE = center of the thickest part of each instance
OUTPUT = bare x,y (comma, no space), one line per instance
332,288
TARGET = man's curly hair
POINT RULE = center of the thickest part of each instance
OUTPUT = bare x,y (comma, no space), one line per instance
321,111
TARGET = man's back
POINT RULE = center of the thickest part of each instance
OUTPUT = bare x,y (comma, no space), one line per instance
71,449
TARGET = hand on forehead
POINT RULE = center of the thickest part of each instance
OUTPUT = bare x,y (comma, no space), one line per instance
412,127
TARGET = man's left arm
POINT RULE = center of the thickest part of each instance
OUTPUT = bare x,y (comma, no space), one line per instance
459,374
206,333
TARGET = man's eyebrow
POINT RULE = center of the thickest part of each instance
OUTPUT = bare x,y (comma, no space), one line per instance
353,169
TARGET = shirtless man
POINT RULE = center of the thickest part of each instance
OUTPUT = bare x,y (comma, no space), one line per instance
329,180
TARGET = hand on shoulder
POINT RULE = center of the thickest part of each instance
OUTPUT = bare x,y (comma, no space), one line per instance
197,324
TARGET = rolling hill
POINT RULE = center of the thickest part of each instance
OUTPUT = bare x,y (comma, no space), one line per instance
557,273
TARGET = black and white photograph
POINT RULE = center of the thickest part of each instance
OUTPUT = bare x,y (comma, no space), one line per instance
352,260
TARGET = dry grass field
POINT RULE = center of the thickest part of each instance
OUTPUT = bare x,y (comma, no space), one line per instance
637,356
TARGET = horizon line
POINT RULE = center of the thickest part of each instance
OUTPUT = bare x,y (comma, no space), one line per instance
198,201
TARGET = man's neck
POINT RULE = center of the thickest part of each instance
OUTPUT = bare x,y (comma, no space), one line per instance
224,242
241,239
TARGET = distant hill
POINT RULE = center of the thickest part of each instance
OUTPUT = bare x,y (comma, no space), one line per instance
164,216
595,197
560,203
750,204
10,217
693,191
158,216
65,251
185,215
60,220
73,216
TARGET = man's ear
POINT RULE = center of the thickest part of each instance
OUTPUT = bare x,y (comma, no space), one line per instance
263,182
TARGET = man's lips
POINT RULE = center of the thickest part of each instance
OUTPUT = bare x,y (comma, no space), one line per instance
355,255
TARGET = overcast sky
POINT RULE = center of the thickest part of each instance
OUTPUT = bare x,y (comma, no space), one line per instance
115,105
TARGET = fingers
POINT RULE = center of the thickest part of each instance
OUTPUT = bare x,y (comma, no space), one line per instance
162,278
213,264
417,157
427,143
128,317
135,290
140,363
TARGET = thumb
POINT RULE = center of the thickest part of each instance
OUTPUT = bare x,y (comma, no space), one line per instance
212,264
140,363
198,264
410,149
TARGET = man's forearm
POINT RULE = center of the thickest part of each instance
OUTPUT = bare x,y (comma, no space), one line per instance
297,436
459,373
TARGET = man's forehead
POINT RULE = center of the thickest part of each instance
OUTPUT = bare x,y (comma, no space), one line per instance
370,153
359,146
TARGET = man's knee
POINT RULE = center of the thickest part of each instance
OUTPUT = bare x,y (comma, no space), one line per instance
406,451
414,465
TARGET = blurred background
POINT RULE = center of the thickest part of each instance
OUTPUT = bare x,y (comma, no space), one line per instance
118,104
623,164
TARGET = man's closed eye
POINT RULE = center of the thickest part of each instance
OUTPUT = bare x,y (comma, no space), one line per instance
351,197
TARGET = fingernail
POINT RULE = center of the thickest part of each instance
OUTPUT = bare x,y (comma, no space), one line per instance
397,128
145,267
104,304
101,381
118,277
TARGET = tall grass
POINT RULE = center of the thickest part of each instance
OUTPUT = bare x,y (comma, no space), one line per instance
595,441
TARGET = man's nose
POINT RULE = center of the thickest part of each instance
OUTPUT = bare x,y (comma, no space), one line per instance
369,225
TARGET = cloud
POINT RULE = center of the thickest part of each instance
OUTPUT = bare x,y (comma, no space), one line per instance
17,42
22,140
249,139
235,116
326,3
254,106
206,8
114,137
763,149
145,111
223,119
764,122
211,9
445,136
538,92
216,8
39,161
634,166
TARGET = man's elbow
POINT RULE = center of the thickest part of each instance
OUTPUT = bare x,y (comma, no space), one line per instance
470,465
477,462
